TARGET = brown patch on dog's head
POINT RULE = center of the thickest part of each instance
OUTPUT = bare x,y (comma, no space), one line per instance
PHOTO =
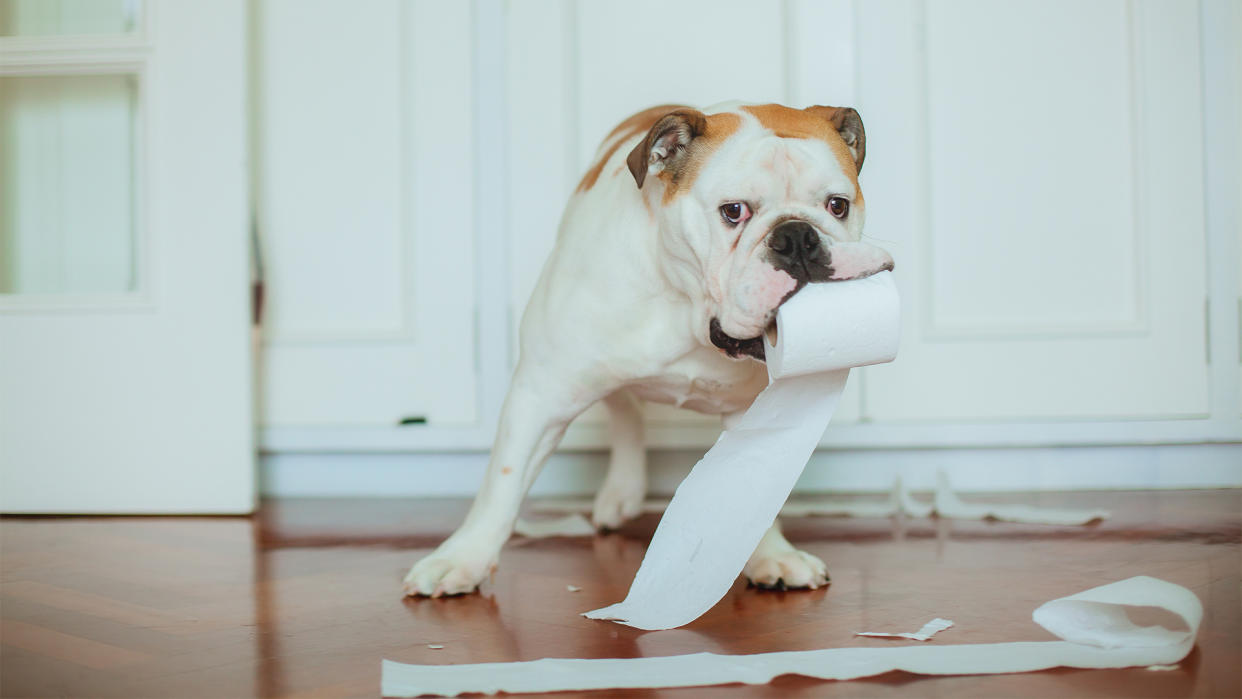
680,143
840,127
643,121
636,124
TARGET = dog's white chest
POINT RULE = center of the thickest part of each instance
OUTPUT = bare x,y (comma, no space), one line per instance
704,382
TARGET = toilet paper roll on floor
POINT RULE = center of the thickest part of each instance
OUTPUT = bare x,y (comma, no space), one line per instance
734,493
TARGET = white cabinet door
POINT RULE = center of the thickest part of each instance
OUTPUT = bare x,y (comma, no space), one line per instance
366,206
1037,169
125,361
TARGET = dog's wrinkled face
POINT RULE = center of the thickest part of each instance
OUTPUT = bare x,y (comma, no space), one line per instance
753,203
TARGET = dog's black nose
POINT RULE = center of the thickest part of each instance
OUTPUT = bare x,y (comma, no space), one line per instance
793,243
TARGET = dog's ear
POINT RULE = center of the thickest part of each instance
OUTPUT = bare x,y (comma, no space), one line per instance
847,123
666,143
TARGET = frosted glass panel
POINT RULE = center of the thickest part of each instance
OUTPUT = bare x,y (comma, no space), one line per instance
42,17
67,210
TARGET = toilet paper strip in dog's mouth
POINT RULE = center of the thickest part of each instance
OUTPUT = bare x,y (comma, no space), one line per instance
1094,629
731,496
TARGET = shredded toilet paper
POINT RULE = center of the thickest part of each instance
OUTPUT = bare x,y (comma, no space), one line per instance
733,494
929,629
948,505
945,504
1093,626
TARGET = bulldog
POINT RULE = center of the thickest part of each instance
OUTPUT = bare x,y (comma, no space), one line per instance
681,241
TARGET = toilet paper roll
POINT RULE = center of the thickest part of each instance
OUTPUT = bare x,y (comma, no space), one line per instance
836,325
730,498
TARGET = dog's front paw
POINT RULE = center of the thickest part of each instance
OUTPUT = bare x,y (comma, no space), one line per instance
786,570
441,575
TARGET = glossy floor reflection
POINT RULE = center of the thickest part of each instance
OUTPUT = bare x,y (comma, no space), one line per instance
304,599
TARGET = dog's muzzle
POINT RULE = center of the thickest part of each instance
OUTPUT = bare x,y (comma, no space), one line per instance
794,247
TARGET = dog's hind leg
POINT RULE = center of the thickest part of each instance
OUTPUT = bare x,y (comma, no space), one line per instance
621,496
532,421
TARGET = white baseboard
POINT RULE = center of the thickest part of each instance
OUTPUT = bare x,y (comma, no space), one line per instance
458,474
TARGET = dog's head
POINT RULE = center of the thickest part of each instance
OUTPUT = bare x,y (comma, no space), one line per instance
753,203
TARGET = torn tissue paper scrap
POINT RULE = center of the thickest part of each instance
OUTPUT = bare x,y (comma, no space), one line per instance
948,505
1093,626
733,494
929,629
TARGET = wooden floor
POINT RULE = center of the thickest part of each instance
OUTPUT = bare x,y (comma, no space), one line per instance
303,599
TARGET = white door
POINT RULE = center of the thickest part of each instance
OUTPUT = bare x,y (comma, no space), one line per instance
125,361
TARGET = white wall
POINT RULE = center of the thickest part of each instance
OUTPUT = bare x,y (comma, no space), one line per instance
1057,195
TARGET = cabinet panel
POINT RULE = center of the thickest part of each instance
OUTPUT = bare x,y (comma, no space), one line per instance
367,206
1044,206
1032,187
333,113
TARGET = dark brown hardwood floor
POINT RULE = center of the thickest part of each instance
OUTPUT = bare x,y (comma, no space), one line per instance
304,598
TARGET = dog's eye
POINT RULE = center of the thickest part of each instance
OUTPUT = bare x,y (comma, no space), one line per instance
735,212
838,206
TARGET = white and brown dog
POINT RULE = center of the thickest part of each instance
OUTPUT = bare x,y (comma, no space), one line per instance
661,292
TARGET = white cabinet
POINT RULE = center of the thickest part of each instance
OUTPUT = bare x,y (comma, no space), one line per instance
1037,170
1041,185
